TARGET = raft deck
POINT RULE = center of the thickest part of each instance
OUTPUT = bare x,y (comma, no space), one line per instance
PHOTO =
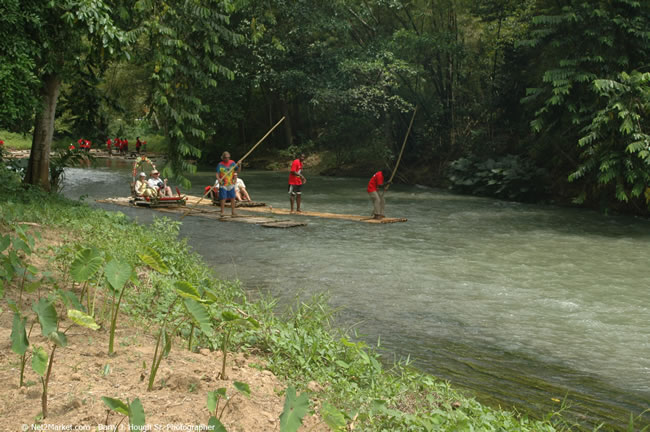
198,206
366,219
206,210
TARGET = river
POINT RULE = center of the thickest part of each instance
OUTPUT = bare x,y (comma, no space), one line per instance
523,304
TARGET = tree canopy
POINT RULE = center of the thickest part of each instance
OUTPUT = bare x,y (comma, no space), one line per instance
555,94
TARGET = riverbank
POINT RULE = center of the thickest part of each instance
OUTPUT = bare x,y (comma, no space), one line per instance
298,346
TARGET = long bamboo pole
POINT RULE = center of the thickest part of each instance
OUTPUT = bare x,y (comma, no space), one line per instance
399,158
238,163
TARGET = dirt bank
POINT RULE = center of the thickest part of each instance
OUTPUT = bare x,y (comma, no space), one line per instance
83,373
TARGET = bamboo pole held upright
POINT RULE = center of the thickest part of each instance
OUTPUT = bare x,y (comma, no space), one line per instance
399,158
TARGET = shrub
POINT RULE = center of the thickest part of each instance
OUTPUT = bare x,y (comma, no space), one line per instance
509,177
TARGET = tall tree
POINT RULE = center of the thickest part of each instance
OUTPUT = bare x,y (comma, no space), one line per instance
51,36
18,79
187,41
577,45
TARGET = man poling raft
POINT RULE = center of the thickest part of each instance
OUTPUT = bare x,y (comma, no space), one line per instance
237,164
296,180
377,186
226,171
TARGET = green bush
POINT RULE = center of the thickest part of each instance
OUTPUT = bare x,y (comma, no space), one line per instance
16,141
509,177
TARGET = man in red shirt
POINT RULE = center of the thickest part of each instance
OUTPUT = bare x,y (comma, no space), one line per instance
296,180
378,203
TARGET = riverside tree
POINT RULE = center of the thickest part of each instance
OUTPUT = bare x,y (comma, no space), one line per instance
591,103
49,42
51,38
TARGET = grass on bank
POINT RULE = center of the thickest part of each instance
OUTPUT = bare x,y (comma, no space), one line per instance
300,345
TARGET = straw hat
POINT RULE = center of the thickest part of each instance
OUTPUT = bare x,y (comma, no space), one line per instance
154,172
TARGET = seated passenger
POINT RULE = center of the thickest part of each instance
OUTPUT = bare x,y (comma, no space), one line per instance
160,185
212,192
241,194
142,188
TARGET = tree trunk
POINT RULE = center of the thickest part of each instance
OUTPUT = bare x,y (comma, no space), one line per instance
38,169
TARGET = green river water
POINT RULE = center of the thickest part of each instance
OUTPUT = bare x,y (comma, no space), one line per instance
521,304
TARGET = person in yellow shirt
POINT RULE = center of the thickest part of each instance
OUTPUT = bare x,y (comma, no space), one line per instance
142,189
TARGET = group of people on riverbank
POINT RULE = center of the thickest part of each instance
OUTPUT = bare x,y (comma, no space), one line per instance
121,146
229,187
82,144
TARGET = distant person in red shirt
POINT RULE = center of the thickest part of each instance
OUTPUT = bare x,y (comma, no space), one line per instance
138,144
2,143
109,144
376,195
296,180
71,147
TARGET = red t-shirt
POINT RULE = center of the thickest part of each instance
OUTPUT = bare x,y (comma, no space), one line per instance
375,181
295,167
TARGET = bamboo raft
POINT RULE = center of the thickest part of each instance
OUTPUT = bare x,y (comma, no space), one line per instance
196,206
357,218
207,210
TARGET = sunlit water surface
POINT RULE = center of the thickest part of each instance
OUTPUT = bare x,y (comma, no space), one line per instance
521,303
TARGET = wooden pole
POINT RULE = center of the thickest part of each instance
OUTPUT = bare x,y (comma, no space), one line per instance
239,162
402,150
261,139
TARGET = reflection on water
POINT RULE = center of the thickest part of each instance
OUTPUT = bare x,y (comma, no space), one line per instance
521,303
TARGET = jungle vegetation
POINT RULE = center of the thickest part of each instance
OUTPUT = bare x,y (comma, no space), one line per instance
530,100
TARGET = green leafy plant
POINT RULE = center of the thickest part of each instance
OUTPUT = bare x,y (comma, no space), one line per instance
62,160
87,263
134,411
214,399
335,419
118,274
13,265
509,177
20,341
49,322
295,408
615,147
230,322
193,310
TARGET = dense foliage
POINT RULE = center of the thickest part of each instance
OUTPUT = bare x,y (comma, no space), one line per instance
561,86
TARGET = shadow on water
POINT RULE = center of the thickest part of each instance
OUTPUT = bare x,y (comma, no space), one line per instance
523,304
